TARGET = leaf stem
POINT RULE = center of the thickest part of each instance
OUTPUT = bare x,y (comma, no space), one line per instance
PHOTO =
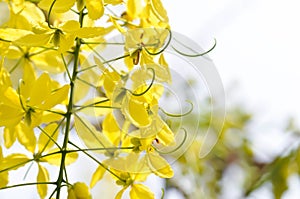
69,113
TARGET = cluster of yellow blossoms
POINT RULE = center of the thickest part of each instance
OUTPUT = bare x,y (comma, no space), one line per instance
55,81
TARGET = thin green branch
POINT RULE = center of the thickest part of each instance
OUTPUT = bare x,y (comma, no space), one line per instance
87,83
50,136
100,149
178,147
49,14
26,184
148,88
195,55
66,66
16,165
98,162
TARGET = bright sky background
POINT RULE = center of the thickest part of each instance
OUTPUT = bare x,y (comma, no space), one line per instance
257,56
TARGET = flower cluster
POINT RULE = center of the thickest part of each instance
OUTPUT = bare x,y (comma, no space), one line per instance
55,80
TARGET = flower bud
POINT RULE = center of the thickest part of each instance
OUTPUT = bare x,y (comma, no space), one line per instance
79,191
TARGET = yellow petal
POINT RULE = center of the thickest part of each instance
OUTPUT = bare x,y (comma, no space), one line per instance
71,194
134,8
48,117
138,191
159,10
43,176
28,80
159,166
81,191
90,32
26,16
66,42
40,90
98,110
12,34
33,40
165,134
26,137
59,5
49,61
10,116
116,25
9,136
120,193
70,26
55,159
110,81
136,112
89,135
14,53
3,175
111,129
56,97
13,162
80,4
97,175
113,2
44,142
95,8
4,47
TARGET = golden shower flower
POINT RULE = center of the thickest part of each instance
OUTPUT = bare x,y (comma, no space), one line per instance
79,191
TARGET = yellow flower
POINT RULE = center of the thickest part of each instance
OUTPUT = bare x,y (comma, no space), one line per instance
24,109
33,97
24,15
95,7
3,174
79,191
62,37
141,110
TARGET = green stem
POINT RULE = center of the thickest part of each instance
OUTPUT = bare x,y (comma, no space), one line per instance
26,184
60,179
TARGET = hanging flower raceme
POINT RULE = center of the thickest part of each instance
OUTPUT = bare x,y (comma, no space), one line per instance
52,94
79,191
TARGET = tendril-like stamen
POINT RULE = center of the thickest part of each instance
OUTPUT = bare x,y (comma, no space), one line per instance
178,147
179,115
195,55
49,14
164,48
148,88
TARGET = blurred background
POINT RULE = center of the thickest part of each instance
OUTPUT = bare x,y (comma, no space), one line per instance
257,59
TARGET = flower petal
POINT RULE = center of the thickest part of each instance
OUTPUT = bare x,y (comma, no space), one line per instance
26,137
140,191
59,6
13,162
95,8
97,175
89,135
44,142
43,176
111,129
159,166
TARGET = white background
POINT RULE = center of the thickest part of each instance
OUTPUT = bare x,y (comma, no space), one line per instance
257,56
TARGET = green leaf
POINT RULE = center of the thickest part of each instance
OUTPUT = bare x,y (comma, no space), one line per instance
279,177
